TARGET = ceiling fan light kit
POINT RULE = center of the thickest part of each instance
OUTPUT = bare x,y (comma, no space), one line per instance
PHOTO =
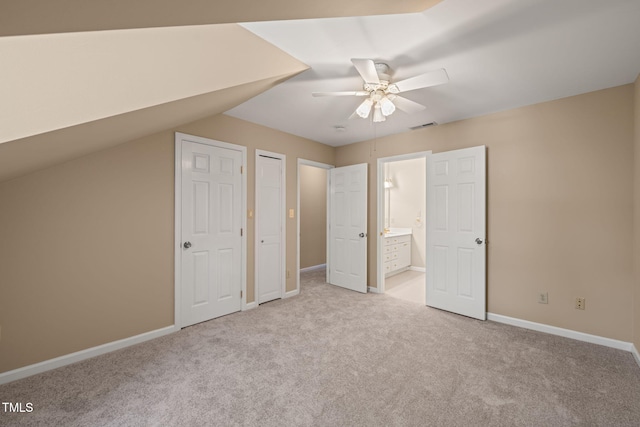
382,95
365,108
377,114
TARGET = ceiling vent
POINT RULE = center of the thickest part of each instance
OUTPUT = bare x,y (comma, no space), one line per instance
426,125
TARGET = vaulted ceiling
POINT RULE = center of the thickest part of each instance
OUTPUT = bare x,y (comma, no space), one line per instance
80,76
499,55
77,76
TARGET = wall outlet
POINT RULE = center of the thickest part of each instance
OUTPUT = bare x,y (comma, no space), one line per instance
543,298
580,302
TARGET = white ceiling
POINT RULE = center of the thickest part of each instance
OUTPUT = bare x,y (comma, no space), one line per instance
499,54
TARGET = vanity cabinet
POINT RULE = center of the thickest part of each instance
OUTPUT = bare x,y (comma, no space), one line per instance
397,254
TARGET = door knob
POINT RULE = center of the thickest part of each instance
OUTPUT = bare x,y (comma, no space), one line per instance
187,245
478,240
361,234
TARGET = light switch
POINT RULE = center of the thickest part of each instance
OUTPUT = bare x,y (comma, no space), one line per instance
250,214
290,213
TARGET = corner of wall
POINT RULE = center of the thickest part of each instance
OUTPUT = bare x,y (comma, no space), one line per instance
636,215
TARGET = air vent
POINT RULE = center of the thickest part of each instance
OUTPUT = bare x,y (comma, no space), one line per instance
426,125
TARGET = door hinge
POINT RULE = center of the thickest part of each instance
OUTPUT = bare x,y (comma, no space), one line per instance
241,169
240,294
241,232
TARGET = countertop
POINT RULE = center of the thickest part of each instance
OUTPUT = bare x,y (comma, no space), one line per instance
396,232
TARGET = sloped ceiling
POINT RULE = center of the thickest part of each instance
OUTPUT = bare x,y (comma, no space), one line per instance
47,149
62,80
80,76
46,16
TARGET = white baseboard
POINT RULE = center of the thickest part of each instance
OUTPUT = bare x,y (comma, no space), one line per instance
567,333
292,293
635,353
373,290
78,356
420,269
313,267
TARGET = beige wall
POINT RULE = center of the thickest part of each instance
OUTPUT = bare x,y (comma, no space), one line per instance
313,216
86,255
86,252
636,210
559,206
407,201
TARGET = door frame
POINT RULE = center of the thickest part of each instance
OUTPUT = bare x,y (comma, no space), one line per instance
382,161
325,166
283,222
177,243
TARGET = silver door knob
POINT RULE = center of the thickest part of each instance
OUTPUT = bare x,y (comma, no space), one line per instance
187,245
478,240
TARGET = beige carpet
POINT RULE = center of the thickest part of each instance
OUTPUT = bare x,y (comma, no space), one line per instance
332,357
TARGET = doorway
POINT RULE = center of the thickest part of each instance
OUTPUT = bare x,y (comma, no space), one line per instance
455,222
312,226
346,237
401,217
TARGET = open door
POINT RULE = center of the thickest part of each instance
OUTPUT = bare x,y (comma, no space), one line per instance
456,231
347,236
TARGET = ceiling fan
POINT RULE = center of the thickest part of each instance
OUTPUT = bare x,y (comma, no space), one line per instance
382,95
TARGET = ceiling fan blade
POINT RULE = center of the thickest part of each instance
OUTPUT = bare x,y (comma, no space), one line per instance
420,81
345,93
407,105
367,70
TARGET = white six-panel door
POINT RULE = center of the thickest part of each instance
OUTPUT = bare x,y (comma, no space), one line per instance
348,227
211,265
270,222
456,231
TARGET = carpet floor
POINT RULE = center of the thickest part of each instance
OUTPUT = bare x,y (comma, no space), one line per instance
332,357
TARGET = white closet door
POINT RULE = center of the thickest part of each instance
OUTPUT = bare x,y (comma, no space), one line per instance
270,222
211,232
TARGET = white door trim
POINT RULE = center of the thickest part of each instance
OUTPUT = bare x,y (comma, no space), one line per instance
380,194
179,137
283,232
317,165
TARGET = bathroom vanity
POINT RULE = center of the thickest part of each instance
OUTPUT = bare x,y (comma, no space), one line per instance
397,251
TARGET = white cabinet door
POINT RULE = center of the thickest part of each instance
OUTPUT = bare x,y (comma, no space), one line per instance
404,254
211,261
348,227
456,250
